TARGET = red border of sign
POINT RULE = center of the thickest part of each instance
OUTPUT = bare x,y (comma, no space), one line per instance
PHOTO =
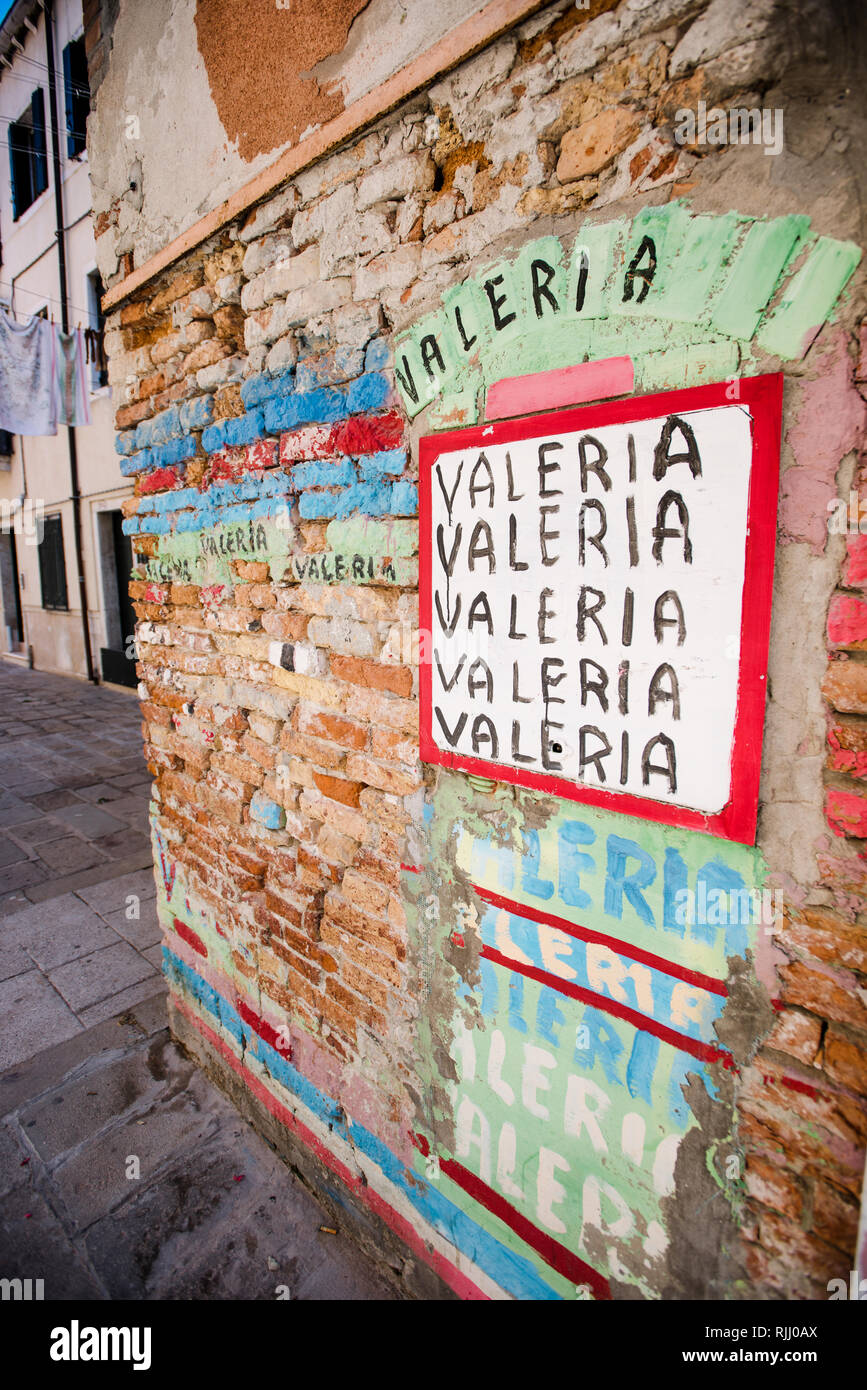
762,395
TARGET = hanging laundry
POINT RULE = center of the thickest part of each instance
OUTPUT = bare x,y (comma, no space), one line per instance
95,349
73,406
28,392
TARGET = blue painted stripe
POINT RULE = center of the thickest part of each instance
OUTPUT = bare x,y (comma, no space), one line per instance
512,1272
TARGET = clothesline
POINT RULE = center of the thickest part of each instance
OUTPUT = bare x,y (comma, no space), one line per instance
49,298
23,58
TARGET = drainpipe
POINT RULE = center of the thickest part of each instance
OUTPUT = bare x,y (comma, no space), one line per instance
64,312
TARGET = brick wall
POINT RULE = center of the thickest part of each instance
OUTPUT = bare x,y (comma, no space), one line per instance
275,525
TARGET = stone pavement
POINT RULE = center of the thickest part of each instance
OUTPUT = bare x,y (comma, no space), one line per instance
124,1172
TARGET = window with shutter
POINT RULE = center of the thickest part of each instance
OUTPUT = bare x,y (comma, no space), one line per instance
28,158
77,94
52,568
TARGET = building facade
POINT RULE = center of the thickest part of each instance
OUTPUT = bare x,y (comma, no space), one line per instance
62,551
495,404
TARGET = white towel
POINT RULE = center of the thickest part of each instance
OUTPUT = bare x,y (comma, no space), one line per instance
73,407
28,390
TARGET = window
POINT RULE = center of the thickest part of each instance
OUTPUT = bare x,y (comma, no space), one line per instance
28,162
52,569
77,91
93,334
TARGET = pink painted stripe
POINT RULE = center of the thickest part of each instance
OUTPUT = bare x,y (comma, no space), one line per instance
586,381
455,1278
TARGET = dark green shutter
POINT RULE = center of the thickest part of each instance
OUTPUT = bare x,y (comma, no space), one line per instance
69,102
40,158
13,169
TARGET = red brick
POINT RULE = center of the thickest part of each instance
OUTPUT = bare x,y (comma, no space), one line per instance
345,732
828,937
796,1034
338,788
835,1217
379,934
845,1060
845,686
365,893
397,780
822,995
314,750
773,1187
397,679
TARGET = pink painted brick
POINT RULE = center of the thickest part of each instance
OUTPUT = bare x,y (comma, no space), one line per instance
846,813
855,569
586,381
847,620
848,760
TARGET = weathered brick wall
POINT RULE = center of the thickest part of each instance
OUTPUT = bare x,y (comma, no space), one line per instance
299,840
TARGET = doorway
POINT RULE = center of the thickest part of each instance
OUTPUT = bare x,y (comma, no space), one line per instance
10,591
117,658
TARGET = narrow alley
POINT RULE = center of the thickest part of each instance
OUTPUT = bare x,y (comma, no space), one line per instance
124,1173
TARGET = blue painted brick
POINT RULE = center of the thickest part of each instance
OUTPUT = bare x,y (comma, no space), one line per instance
377,356
174,501
136,463
372,466
370,499
166,426
212,437
305,408
273,484
340,365
235,516
267,812
131,526
370,392
166,455
404,499
256,390
197,413
245,429
125,443
155,525
189,521
322,475
317,504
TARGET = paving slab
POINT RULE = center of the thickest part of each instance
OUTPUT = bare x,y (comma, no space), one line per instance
126,998
143,931
88,820
32,1016
100,974
69,854
108,897
26,874
60,930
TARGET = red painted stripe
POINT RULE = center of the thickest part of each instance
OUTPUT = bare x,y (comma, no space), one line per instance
462,1285
192,938
552,1252
624,948
706,1052
586,381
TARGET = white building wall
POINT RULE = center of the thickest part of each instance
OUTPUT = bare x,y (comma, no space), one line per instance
29,281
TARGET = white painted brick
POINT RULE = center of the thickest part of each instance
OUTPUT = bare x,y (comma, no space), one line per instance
392,271
411,173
